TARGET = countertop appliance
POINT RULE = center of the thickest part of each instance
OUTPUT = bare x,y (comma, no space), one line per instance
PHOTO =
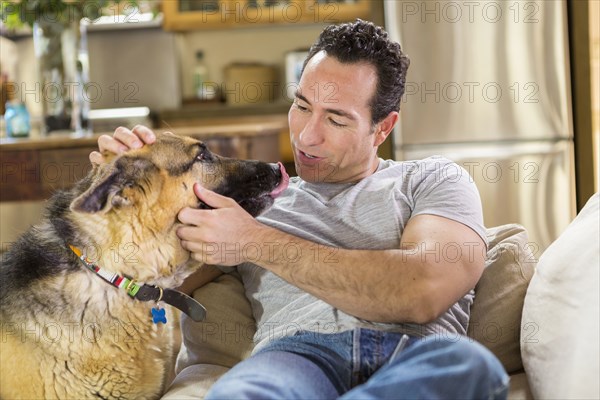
489,88
108,119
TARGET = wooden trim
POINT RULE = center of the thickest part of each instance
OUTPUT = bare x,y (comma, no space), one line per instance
579,44
234,14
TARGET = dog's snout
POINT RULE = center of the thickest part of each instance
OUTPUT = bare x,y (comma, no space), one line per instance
253,184
283,180
278,168
280,172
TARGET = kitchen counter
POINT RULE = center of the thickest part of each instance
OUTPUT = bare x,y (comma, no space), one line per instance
203,129
33,168
207,110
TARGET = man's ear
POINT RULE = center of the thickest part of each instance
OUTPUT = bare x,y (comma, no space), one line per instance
95,198
385,126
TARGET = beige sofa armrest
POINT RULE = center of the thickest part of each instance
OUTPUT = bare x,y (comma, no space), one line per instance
499,295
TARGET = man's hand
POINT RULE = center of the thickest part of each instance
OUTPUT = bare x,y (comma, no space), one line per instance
121,141
218,236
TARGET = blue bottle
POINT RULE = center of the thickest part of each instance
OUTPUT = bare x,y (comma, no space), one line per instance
17,120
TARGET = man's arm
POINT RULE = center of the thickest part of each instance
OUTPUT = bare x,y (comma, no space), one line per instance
439,261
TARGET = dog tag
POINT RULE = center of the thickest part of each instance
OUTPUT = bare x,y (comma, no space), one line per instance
159,315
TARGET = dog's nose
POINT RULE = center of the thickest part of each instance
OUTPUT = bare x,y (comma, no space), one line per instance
278,167
283,183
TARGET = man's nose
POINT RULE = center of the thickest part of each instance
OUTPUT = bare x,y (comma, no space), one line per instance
311,134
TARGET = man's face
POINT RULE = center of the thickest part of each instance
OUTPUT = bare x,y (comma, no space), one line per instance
330,121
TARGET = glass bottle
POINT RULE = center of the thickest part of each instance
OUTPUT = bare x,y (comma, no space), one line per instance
203,89
16,116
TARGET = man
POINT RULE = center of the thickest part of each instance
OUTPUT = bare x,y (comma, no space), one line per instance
361,274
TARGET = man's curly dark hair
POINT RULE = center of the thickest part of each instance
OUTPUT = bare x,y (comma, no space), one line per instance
364,42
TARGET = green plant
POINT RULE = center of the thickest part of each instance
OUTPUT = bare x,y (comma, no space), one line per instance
16,13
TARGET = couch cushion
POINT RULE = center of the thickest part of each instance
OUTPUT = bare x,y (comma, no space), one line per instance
496,312
225,337
560,323
193,382
519,387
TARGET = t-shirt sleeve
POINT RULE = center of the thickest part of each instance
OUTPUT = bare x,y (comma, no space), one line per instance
441,187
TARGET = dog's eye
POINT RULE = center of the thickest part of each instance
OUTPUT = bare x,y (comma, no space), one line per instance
203,154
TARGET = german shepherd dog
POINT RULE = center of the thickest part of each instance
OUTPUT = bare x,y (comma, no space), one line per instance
79,291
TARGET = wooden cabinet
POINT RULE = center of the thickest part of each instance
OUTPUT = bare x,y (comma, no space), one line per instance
184,15
34,174
334,12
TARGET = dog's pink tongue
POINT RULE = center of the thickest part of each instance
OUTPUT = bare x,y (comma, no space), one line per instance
283,184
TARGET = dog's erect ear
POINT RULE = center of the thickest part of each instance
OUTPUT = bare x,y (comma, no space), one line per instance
110,184
95,198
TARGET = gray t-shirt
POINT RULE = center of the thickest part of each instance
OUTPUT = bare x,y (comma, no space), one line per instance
370,214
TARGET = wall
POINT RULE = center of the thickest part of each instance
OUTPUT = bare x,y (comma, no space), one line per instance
128,68
252,44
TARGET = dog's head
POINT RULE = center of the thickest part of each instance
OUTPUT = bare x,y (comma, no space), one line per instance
137,196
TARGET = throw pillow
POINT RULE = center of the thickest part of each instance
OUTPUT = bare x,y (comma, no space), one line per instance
225,337
561,327
496,311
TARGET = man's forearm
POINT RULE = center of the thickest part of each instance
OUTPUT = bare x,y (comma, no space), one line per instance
397,285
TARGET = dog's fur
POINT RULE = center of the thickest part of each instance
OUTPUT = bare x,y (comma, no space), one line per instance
66,333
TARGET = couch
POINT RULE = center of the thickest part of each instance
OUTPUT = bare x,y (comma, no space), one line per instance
540,317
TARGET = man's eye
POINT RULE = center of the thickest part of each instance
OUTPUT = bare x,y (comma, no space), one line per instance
334,123
301,108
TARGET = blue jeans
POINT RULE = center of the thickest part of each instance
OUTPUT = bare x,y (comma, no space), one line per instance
366,364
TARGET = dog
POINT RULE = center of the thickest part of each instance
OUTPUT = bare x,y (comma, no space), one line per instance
72,326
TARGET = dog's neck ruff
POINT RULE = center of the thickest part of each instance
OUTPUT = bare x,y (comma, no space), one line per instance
144,292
